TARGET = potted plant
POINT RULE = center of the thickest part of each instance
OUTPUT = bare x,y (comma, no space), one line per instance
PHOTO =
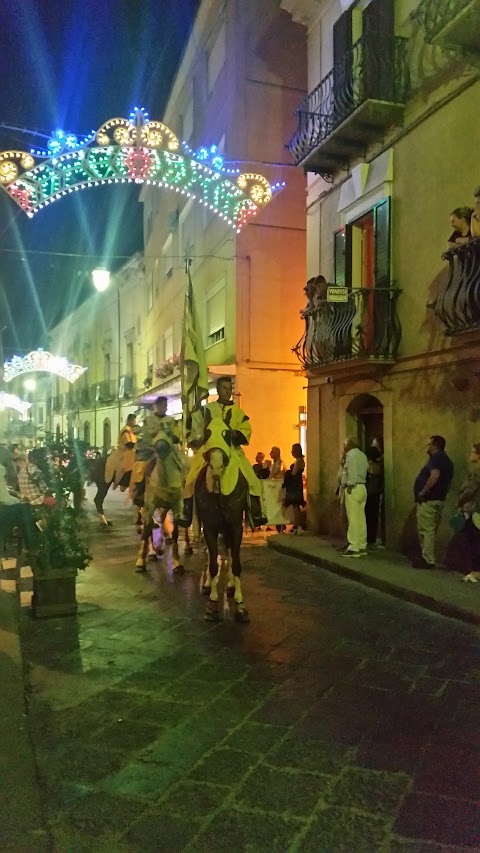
59,552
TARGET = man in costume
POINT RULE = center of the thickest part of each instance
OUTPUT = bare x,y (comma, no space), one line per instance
119,465
239,424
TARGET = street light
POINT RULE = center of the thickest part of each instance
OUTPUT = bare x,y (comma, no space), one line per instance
30,384
101,281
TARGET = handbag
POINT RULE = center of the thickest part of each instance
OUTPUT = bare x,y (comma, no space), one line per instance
458,521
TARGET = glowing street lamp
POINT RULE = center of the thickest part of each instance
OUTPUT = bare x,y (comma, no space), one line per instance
101,279
30,384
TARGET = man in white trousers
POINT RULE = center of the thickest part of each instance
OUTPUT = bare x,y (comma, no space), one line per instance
354,479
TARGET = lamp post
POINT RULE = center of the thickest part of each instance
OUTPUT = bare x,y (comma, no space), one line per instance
101,281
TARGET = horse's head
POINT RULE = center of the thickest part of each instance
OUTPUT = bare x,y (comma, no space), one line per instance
217,449
162,444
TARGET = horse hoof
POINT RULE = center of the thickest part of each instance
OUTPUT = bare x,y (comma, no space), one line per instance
211,615
189,551
242,615
178,570
230,591
140,567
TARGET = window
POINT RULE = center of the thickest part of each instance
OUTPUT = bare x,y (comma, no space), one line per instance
40,416
186,230
107,367
168,343
150,292
130,359
216,57
215,313
167,255
150,364
362,250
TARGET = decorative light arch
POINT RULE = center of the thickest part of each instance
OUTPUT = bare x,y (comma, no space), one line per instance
11,401
132,150
40,360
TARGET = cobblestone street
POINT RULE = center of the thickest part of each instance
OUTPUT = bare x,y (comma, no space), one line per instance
340,719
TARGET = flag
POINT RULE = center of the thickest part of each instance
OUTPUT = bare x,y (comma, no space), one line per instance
194,370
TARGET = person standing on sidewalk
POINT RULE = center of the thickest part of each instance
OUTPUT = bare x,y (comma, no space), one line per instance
354,480
431,488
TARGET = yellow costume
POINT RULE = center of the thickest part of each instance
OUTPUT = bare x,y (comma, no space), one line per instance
122,460
233,416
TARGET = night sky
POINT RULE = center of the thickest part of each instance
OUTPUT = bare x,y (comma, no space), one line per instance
73,64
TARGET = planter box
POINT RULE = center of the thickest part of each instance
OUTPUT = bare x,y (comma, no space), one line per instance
54,594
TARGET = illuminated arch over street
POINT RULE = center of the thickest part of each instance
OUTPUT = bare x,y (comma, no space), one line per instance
41,361
132,150
10,401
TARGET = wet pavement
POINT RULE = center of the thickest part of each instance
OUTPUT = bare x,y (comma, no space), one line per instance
340,719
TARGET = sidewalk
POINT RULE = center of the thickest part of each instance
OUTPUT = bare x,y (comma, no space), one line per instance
440,591
22,823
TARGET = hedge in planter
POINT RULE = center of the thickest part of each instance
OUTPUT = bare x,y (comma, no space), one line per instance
59,552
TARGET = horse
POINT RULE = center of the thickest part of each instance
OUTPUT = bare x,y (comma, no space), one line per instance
221,496
163,492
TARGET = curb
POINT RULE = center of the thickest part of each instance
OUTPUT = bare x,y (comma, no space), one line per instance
444,608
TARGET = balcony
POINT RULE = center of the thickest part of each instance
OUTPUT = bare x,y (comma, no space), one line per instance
129,386
352,106
71,397
84,398
108,391
458,305
454,24
57,403
365,329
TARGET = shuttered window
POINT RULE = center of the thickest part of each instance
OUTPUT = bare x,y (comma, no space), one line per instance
215,313
343,257
382,244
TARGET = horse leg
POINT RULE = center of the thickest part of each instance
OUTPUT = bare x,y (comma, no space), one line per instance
241,612
159,548
140,565
177,565
102,489
211,613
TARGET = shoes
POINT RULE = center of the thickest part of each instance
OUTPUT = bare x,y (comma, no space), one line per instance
349,553
422,564
470,578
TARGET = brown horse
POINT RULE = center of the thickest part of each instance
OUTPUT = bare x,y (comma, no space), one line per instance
163,492
221,494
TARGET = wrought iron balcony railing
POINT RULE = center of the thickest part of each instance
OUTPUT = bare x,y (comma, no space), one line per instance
453,23
368,73
366,326
458,305
108,391
84,397
57,403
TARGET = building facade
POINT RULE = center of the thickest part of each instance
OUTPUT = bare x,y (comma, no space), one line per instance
388,137
104,335
240,78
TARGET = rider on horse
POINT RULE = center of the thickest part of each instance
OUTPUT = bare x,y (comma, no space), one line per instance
239,425
119,464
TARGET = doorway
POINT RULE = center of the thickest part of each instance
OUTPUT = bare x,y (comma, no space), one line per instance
365,421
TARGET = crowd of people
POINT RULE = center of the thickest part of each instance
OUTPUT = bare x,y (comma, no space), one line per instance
292,482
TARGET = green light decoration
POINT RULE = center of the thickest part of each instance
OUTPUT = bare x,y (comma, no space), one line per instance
134,150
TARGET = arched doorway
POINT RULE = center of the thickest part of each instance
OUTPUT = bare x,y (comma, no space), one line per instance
107,435
86,432
365,421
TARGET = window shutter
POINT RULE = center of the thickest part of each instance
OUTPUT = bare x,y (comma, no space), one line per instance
378,28
342,66
216,312
382,244
343,257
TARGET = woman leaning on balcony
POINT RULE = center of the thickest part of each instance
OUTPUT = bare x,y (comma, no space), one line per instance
463,552
460,220
475,220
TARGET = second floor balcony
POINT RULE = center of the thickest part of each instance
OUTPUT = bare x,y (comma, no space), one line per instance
352,106
458,305
365,329
454,24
